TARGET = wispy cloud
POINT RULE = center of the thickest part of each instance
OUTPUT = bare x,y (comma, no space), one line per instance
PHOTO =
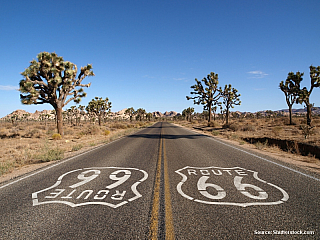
259,89
179,79
8,88
258,74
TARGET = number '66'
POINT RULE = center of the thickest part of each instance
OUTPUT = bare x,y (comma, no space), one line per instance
203,185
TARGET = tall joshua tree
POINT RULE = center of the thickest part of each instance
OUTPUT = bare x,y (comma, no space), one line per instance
55,81
100,107
130,111
304,94
207,93
230,98
290,88
140,113
188,113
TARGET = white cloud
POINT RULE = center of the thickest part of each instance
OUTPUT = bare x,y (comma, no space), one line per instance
9,88
179,79
258,74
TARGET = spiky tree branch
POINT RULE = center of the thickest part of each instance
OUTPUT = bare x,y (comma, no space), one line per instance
230,98
53,80
207,92
291,89
99,107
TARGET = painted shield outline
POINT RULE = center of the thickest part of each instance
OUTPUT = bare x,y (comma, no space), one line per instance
133,188
255,175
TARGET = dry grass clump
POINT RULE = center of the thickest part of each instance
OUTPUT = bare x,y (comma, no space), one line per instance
248,128
277,130
213,124
33,133
233,126
119,126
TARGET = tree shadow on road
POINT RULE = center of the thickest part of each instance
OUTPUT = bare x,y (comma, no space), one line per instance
167,136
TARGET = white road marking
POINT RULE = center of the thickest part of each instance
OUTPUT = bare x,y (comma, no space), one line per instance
72,195
220,193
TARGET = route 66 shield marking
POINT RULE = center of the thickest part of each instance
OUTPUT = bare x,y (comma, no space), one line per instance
110,186
228,186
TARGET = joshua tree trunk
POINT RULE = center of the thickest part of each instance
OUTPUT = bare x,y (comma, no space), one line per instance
59,120
290,114
227,116
209,120
309,111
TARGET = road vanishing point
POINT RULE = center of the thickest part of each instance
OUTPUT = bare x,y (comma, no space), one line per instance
163,182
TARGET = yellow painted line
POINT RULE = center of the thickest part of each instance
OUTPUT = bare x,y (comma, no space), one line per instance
153,233
168,206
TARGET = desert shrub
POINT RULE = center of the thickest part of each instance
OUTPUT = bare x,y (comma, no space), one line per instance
5,167
213,124
233,126
316,122
307,130
234,136
76,147
276,130
260,145
56,136
248,128
120,125
93,130
286,121
106,132
141,124
303,121
34,133
215,133
52,155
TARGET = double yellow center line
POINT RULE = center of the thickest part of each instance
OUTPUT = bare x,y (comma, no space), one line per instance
162,165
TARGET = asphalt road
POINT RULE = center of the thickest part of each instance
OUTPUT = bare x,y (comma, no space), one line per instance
163,182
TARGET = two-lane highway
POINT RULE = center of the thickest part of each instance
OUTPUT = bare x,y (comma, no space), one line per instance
164,182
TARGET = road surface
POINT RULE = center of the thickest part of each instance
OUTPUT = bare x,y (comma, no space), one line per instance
163,182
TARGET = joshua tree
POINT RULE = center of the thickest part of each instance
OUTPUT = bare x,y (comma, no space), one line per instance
140,113
81,112
188,113
291,88
52,80
230,98
207,94
99,106
131,112
304,94
149,116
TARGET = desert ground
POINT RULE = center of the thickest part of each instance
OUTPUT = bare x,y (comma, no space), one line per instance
26,146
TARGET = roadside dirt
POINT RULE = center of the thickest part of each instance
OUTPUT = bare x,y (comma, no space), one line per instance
304,162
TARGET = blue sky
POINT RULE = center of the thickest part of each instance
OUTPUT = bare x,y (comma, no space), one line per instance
148,53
